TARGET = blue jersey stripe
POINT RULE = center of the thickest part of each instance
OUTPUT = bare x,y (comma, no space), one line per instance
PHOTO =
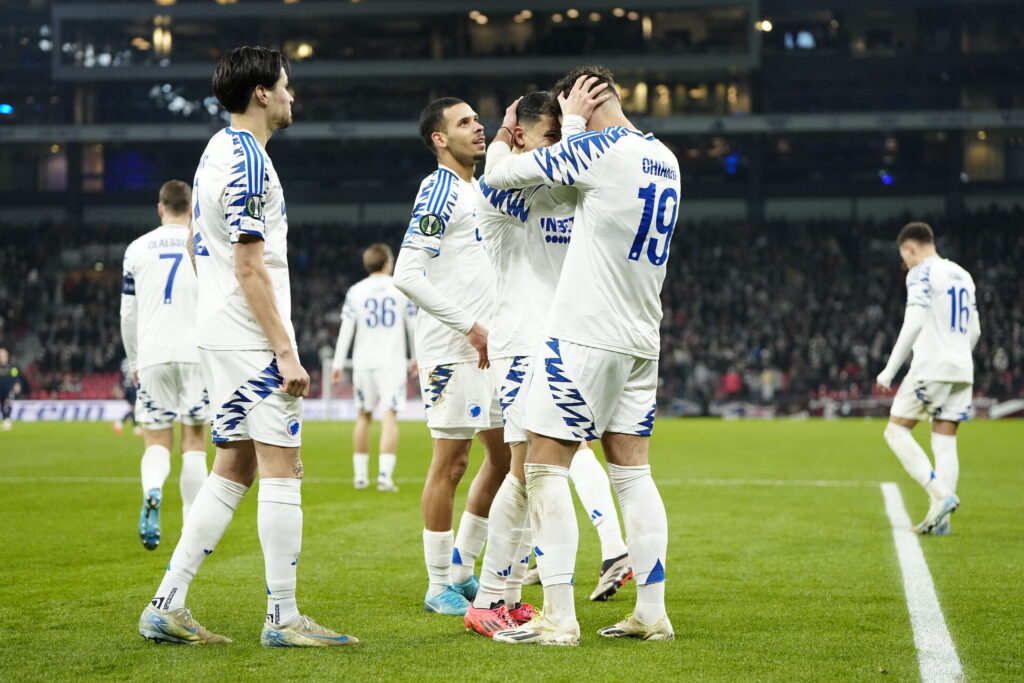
254,163
439,195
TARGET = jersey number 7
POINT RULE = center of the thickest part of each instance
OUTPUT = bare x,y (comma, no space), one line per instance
169,287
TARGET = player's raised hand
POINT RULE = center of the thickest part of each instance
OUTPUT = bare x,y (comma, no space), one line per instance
511,119
586,96
295,378
477,338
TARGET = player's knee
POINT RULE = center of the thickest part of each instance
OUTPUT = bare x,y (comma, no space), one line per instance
893,431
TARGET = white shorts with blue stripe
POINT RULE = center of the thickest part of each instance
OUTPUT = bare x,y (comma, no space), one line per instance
580,392
247,400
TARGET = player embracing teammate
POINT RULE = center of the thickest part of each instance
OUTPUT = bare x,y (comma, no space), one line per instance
596,375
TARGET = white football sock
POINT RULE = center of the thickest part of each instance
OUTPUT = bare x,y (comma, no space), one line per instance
437,553
514,585
156,465
947,465
914,459
279,520
555,536
594,490
211,513
646,536
469,543
386,466
361,466
193,474
504,534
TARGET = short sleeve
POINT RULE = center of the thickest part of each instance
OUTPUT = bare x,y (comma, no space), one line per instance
431,212
919,288
245,194
128,275
348,309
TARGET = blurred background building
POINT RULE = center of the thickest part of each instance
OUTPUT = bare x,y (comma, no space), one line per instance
806,132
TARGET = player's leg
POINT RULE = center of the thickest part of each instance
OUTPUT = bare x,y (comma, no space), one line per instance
361,449
913,402
500,593
195,415
556,538
472,534
956,408
166,619
391,386
626,448
947,465
594,490
6,406
364,391
157,408
506,519
449,458
193,465
155,466
388,448
646,535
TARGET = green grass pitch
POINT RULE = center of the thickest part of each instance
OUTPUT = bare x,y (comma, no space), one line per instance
767,581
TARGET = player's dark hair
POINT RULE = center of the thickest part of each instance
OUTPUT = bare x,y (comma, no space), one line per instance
376,257
432,119
176,196
241,70
565,83
532,106
917,231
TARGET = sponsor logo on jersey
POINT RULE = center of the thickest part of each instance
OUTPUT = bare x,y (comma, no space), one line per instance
254,206
430,225
293,427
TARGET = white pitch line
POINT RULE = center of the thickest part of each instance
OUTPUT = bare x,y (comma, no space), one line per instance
345,480
936,653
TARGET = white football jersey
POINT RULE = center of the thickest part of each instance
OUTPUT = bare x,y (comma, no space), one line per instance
236,191
942,351
382,317
527,233
444,224
609,295
159,279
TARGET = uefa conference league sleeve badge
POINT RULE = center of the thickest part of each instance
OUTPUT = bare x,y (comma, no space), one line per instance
430,225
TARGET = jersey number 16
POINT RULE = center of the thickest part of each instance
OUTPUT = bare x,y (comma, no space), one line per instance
959,309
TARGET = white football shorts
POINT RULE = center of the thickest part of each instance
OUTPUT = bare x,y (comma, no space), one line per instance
460,399
169,392
579,392
386,385
247,400
512,377
919,399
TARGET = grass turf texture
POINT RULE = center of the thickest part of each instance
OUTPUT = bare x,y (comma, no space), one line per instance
766,582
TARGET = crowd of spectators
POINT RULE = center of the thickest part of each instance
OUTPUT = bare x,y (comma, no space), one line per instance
774,315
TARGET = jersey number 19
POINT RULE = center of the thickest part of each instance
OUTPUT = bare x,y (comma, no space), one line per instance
664,224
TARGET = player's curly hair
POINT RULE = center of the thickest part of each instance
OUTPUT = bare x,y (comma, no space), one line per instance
565,83
917,231
241,70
